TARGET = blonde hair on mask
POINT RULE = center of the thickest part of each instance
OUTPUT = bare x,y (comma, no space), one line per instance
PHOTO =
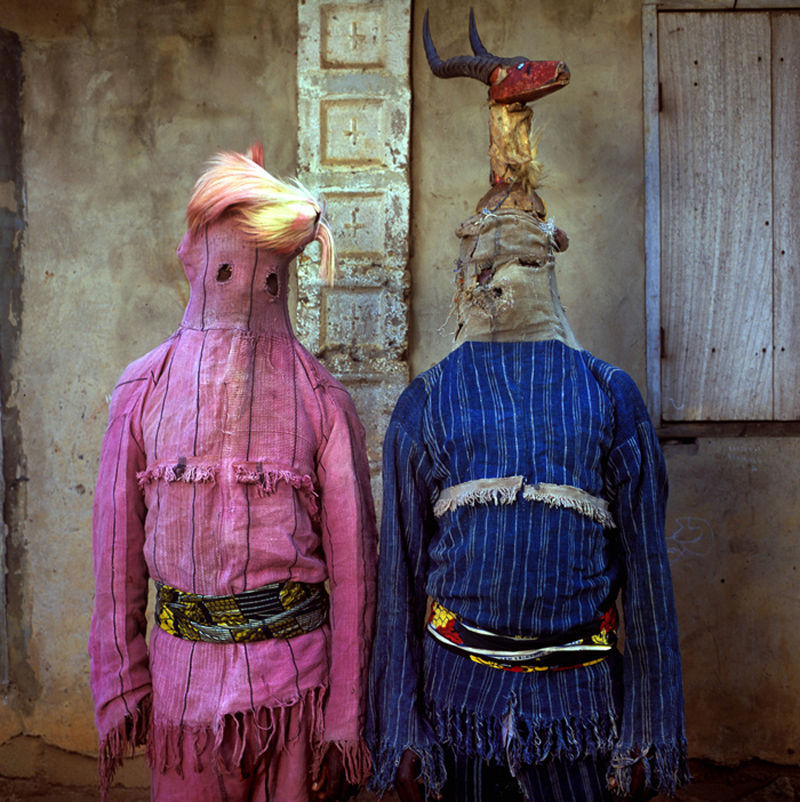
273,214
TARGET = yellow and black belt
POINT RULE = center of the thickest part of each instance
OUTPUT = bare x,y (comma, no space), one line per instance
279,610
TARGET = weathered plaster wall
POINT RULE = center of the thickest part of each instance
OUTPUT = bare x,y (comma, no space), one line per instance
732,529
122,104
123,101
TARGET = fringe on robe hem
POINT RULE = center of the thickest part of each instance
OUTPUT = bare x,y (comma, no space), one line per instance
431,759
267,727
666,766
356,759
121,742
528,742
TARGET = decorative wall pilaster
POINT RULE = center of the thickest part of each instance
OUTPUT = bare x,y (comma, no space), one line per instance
354,137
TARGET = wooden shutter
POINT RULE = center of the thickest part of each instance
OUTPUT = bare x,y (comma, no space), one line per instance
716,216
786,233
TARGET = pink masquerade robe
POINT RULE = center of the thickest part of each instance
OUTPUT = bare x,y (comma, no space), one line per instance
232,459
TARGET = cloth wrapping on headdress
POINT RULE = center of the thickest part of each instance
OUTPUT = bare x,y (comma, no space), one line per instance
506,286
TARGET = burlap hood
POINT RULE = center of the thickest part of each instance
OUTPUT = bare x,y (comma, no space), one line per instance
505,281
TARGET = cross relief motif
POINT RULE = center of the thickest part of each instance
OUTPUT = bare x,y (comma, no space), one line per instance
356,39
355,225
353,132
352,80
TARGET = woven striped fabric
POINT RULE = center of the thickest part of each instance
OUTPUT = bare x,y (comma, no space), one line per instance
471,779
543,414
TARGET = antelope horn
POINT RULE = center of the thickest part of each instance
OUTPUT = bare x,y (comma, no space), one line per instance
480,51
477,46
479,66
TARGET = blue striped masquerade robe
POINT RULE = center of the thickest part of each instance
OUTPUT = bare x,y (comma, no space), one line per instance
550,414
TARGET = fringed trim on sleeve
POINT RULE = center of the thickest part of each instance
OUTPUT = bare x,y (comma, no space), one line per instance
387,759
254,473
180,471
666,767
121,742
506,490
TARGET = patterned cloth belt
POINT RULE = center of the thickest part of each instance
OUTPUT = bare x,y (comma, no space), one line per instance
581,646
279,610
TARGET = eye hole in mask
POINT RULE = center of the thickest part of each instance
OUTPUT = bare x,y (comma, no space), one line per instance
271,284
224,273
486,274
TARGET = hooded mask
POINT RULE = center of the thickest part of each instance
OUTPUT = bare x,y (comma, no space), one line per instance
505,280
234,283
245,227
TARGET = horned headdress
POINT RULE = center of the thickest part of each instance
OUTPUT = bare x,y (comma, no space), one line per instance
505,279
513,82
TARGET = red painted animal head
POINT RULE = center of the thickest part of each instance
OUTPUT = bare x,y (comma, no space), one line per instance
510,80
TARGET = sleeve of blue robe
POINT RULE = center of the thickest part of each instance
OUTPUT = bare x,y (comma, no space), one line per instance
395,721
652,721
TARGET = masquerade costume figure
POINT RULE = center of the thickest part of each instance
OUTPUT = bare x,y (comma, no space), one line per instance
524,488
233,474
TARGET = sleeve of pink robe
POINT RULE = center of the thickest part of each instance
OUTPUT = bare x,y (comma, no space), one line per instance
120,676
349,539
